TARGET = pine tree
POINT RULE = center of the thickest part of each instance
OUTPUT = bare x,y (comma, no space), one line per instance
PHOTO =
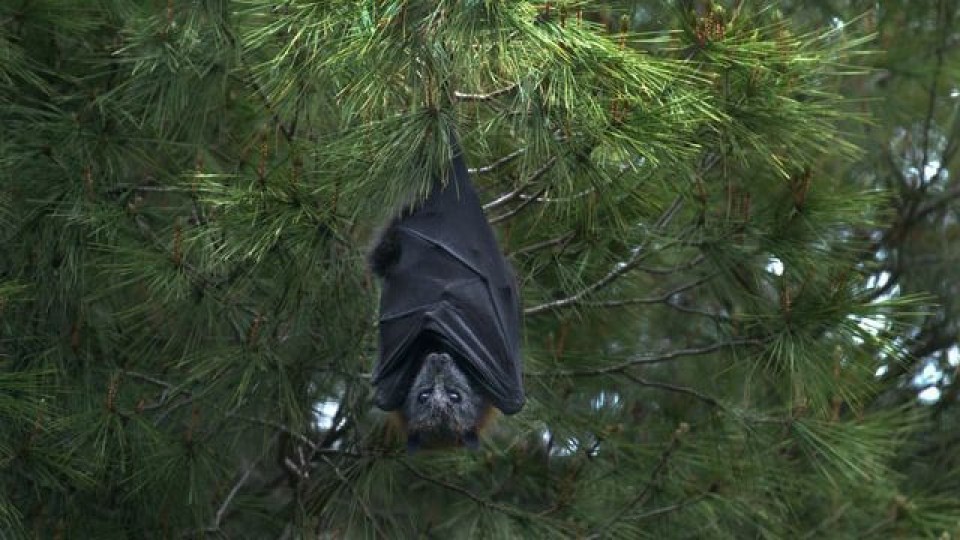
911,149
188,188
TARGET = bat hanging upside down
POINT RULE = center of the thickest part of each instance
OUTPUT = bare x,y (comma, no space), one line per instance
449,317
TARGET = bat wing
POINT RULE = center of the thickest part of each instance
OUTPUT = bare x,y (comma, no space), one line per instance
450,282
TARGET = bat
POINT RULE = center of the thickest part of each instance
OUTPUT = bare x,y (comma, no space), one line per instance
449,320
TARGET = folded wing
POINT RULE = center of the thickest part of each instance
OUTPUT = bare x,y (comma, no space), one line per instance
452,281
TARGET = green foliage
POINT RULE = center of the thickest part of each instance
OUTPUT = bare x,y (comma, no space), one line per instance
188,327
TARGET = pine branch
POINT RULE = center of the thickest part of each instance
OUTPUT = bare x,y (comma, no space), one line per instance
127,188
482,501
713,315
287,132
315,447
663,298
673,388
671,508
655,474
371,517
224,507
621,268
660,358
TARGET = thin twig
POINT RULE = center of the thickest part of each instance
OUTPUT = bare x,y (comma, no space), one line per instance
485,97
363,505
516,512
932,95
672,507
937,203
149,379
659,299
575,196
696,261
505,198
551,242
612,275
508,197
660,358
819,529
228,500
287,132
505,216
673,388
698,312
641,497
498,163
125,188
314,447
218,519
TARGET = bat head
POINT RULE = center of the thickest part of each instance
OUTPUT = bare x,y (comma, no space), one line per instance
442,406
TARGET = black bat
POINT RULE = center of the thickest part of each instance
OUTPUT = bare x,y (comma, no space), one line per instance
449,316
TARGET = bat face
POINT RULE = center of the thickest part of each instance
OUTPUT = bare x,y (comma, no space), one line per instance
442,405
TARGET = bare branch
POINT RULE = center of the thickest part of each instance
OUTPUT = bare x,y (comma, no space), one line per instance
509,510
660,358
659,299
699,312
371,517
551,242
498,163
673,388
575,196
123,188
932,94
485,97
149,379
222,511
936,203
228,500
612,275
508,197
671,508
518,209
696,261
287,132
655,474
303,439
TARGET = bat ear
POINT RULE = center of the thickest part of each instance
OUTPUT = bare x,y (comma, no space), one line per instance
470,440
413,443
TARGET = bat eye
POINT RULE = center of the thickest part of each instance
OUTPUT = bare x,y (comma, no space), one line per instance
422,397
455,396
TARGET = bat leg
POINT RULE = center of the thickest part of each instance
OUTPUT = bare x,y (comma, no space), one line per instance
386,250
470,440
413,443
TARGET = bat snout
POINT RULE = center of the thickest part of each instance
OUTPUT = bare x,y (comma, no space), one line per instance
441,402
438,409
438,360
